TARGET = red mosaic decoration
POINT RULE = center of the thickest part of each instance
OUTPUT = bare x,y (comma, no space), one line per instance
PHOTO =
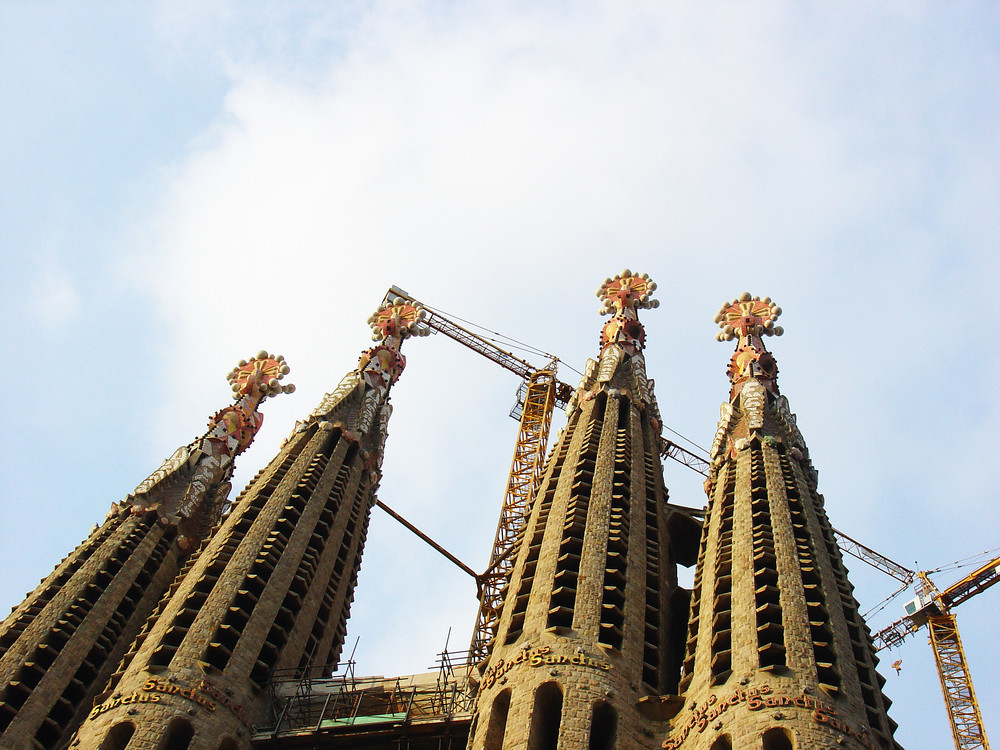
398,320
621,297
748,319
748,316
260,376
627,291
234,426
382,359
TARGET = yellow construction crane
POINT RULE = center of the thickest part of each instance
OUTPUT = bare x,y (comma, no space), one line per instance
933,608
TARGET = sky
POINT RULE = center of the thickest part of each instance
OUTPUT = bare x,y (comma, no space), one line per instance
185,183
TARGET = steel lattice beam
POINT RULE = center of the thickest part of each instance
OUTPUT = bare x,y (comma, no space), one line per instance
956,683
525,474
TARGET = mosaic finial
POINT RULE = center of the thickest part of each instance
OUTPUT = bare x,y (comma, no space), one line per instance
260,376
197,475
398,319
747,316
749,319
627,290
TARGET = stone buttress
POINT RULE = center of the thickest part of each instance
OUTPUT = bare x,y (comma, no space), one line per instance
778,656
592,623
60,645
271,591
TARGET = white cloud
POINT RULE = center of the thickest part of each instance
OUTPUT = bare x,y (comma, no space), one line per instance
500,162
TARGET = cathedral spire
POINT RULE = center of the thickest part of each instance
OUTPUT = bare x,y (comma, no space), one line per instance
59,647
749,319
190,488
620,369
272,589
589,629
778,655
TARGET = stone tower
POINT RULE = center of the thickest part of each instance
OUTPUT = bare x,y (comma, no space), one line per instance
778,656
60,645
272,588
591,607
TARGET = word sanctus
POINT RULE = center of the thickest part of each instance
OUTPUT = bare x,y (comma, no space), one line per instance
123,700
154,685
539,657
758,698
205,694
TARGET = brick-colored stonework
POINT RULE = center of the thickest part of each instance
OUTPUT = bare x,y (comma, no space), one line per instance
271,590
59,647
62,643
592,622
778,655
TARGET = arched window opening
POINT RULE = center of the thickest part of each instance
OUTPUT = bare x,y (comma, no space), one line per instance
777,739
178,736
603,726
497,727
228,743
722,743
118,737
546,715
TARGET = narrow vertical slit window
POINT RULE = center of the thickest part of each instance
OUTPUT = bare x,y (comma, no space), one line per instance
497,727
546,716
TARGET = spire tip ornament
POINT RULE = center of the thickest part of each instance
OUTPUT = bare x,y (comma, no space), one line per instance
748,319
627,290
260,376
398,319
195,479
747,316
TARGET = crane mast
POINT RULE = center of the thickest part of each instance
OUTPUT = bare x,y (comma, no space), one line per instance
933,609
525,474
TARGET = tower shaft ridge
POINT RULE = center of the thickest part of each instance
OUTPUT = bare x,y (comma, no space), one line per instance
271,590
60,645
588,624
778,655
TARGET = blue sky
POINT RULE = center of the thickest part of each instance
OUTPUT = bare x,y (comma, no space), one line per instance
183,184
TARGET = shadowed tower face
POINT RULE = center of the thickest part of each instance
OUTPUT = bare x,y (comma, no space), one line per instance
586,628
778,656
272,589
59,647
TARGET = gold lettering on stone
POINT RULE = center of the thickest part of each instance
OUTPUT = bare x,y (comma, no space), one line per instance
123,700
541,656
758,698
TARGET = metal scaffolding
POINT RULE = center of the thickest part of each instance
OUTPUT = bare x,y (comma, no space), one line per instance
432,709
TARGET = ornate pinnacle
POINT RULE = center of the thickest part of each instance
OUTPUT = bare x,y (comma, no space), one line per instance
747,316
398,320
626,291
260,376
194,481
621,297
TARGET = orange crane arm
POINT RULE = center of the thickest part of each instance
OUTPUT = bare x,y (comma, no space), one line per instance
478,344
974,583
